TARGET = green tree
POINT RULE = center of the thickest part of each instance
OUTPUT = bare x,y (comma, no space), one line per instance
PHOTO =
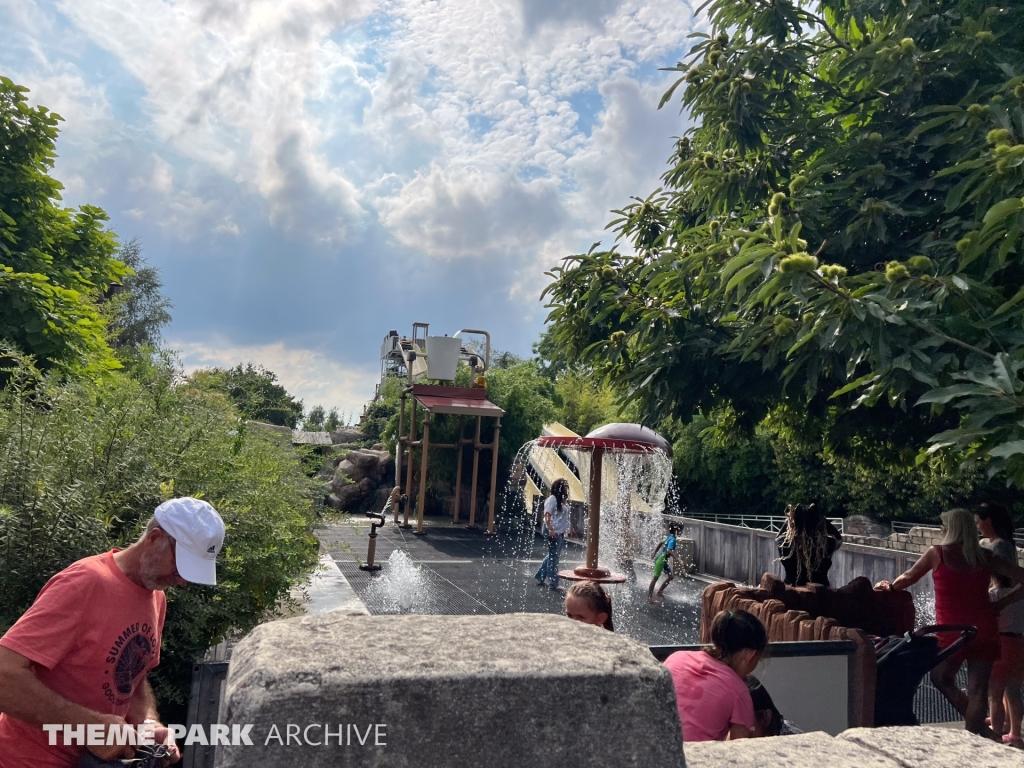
255,392
55,262
136,309
333,420
583,402
315,419
527,399
838,236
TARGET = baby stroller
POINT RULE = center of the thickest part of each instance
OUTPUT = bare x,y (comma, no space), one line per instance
902,662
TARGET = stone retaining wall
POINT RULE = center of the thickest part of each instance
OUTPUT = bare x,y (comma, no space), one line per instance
916,540
858,748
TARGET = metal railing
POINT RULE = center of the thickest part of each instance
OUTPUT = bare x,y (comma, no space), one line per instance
772,523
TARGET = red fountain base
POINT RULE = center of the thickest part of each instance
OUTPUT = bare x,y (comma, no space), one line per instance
600,575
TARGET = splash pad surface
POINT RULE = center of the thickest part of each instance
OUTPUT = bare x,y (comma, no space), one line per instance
460,572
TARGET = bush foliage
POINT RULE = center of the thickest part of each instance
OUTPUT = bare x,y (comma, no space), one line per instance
83,464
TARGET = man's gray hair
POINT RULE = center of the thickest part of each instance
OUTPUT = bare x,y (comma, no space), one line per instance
150,526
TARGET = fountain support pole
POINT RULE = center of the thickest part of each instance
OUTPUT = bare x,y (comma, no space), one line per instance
424,453
408,470
593,571
594,509
458,471
494,477
476,467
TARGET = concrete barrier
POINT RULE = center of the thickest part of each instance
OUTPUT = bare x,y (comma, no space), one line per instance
501,691
859,748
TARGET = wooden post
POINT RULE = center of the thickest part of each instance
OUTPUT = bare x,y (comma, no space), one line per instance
458,471
424,454
594,507
408,469
494,476
476,466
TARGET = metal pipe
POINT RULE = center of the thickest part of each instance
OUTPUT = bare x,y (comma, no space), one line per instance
408,469
424,453
476,466
398,444
371,550
487,348
494,476
594,507
458,471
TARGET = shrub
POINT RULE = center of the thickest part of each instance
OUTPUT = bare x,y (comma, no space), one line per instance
83,464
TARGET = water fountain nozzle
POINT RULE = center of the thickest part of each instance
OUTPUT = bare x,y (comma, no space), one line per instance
378,522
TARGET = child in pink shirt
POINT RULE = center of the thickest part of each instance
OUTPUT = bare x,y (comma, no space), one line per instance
711,693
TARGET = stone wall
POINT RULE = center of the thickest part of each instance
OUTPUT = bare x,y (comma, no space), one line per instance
449,691
858,748
916,540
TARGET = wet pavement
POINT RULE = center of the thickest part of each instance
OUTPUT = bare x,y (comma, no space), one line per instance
459,571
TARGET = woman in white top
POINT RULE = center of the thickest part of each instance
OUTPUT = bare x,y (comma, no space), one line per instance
1005,708
556,520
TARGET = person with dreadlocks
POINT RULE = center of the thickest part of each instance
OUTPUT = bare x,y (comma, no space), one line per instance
806,544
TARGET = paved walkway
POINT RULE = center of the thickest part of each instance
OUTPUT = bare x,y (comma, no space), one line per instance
464,572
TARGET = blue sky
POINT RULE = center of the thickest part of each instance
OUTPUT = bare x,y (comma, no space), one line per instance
308,174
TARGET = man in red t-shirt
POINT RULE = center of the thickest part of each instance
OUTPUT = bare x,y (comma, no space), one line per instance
80,655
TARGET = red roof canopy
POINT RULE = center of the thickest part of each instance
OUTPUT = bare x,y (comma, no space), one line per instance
462,401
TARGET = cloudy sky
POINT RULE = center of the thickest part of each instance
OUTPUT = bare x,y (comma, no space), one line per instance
308,174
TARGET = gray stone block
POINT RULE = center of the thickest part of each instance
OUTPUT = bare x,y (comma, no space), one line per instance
502,691
805,750
934,747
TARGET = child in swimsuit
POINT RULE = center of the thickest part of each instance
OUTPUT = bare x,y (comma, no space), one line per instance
663,563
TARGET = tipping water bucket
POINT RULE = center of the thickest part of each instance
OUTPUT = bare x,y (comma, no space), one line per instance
443,357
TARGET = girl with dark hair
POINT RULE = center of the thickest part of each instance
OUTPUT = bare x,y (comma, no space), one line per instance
557,524
806,544
1004,689
713,699
587,602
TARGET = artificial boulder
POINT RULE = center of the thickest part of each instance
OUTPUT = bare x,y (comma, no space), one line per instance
348,470
358,477
364,459
346,498
346,435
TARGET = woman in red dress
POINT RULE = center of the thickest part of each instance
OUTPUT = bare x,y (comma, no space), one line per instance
961,570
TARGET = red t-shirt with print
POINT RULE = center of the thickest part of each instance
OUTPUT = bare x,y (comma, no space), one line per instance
92,634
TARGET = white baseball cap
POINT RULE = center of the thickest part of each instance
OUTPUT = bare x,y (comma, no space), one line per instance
198,532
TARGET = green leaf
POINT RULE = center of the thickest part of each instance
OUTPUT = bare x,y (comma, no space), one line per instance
1002,210
945,394
1005,450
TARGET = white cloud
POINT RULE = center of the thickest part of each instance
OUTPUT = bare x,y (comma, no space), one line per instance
307,374
226,84
491,85
463,212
